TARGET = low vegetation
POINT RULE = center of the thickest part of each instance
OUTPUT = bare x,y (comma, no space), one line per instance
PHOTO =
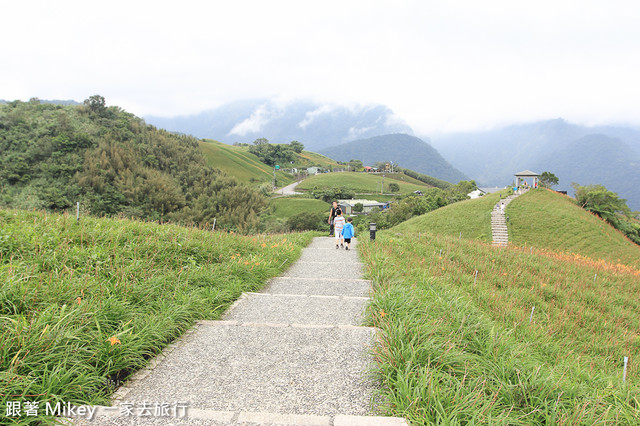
456,344
85,304
523,335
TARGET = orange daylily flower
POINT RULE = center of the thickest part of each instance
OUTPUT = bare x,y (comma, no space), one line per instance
114,340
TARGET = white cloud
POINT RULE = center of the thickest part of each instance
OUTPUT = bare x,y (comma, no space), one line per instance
254,123
450,65
310,116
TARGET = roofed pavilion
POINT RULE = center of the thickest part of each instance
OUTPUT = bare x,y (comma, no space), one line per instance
527,174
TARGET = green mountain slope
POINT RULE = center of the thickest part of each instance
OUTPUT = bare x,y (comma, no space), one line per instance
241,164
238,162
407,151
112,163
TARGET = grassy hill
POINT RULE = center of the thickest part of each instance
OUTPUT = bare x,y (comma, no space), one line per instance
474,334
82,305
237,161
472,218
552,221
309,159
240,163
361,182
542,219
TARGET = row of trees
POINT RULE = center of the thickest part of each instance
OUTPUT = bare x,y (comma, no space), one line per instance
113,163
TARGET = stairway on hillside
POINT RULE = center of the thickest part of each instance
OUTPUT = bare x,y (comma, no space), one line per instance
499,222
295,353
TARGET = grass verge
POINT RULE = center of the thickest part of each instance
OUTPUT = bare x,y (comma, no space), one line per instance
83,305
456,346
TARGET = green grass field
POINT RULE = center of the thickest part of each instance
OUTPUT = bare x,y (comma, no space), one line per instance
359,182
240,163
82,305
286,207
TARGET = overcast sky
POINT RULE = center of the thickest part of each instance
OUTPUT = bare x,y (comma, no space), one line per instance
440,65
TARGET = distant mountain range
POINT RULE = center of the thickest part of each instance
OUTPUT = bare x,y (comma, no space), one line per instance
316,125
404,150
608,155
605,155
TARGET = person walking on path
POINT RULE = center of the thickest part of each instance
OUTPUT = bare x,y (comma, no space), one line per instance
348,233
338,224
332,216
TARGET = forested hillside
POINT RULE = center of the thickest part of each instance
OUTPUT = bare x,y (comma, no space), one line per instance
113,163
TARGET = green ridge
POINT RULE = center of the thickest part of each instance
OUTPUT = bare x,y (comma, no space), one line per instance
361,182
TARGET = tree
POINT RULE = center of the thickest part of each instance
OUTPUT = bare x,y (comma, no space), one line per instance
355,164
394,187
548,179
358,207
296,146
460,191
599,200
96,104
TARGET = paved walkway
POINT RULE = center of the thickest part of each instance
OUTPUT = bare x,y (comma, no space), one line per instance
295,353
499,223
288,190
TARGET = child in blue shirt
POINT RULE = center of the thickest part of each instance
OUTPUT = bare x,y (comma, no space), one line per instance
347,233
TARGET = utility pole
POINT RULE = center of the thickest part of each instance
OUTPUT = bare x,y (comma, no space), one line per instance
382,189
276,167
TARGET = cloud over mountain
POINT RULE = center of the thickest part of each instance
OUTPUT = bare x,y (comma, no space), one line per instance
316,125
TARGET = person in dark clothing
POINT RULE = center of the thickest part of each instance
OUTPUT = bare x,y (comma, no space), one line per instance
332,216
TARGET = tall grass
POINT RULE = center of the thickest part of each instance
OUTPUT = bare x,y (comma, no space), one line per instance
82,305
457,347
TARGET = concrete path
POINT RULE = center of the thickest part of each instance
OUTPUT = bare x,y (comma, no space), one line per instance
499,222
293,354
288,190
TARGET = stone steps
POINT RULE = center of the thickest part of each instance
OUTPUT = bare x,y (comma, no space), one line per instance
295,354
499,230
